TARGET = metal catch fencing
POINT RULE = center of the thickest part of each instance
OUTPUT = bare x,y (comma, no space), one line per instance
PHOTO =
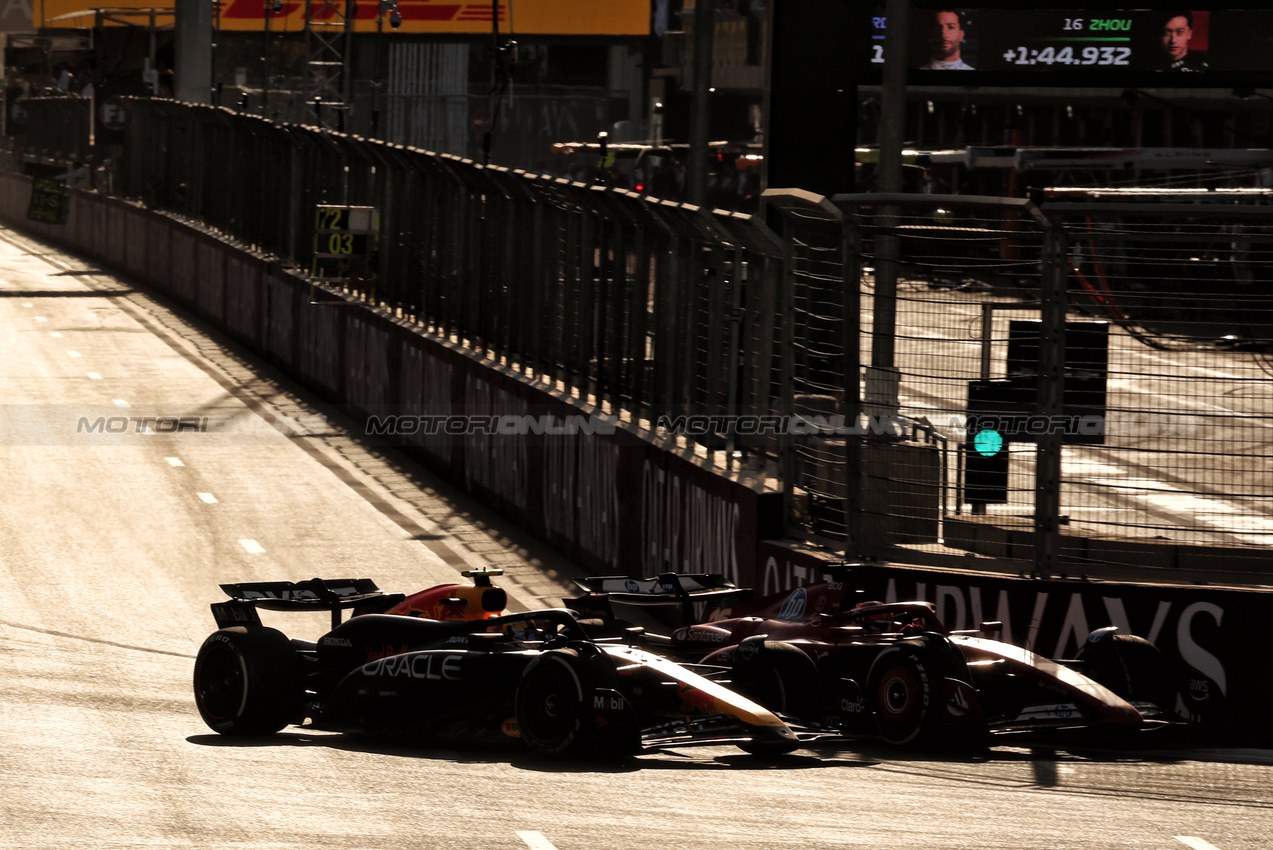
660,312
1079,384
1185,286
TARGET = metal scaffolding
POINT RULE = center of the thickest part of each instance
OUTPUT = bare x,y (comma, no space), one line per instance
329,26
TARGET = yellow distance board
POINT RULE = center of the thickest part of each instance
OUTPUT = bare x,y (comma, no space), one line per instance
460,17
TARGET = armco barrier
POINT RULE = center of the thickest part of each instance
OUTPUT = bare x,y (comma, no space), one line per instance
617,502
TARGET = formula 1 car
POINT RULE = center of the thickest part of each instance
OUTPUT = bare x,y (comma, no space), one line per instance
447,665
890,670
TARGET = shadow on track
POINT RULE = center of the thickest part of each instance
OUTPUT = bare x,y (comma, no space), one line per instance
680,758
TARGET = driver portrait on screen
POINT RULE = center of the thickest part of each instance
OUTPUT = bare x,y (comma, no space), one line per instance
1176,35
946,38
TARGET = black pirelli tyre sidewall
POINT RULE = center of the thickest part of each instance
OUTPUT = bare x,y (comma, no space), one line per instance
903,690
1131,667
552,713
780,677
247,681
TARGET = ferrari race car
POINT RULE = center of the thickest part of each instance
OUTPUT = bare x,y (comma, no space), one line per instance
447,665
891,670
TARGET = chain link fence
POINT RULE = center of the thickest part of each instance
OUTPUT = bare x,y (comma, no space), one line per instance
1075,384
1185,286
1130,340
661,312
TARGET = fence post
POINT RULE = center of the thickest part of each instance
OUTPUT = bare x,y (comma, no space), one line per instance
787,459
1051,402
850,340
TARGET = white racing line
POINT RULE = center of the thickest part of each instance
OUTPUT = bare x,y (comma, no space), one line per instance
1196,843
536,840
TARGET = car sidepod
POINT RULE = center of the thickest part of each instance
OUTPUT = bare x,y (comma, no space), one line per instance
455,694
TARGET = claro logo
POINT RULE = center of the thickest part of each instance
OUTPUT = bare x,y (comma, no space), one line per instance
419,666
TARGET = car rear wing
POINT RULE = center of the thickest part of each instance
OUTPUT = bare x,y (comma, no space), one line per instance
666,583
690,595
316,594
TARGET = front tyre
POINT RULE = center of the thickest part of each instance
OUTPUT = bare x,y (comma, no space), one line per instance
248,681
1131,667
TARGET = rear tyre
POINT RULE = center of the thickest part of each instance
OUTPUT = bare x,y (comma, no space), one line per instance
248,681
903,690
781,678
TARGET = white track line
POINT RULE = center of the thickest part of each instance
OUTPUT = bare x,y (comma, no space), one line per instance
1196,843
535,840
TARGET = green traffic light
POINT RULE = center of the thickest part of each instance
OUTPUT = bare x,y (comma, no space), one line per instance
988,442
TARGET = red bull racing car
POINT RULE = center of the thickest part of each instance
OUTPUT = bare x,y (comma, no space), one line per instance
891,670
447,664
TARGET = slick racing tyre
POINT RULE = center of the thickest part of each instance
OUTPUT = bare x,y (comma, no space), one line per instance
780,677
1131,667
904,690
554,714
247,681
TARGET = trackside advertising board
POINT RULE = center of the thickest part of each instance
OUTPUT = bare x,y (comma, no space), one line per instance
1216,639
456,17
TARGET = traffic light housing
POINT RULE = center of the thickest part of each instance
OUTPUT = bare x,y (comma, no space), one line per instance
985,466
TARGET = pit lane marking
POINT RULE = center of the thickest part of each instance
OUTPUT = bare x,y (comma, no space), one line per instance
535,840
1196,843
